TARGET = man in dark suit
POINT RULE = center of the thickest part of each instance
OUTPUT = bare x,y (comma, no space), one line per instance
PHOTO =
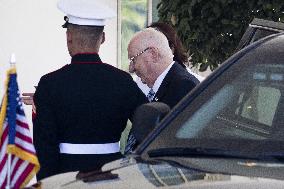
83,107
151,59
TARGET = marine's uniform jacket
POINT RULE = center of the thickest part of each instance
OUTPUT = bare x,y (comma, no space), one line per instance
85,102
176,84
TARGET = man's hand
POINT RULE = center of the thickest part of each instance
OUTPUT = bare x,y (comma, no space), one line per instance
27,99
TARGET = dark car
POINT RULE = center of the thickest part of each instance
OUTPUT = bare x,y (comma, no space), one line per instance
227,133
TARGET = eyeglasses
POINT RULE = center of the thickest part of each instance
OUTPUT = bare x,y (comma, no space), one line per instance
131,60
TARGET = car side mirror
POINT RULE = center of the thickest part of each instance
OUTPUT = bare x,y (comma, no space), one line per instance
146,117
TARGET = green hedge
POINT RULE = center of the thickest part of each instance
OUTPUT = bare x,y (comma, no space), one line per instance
211,30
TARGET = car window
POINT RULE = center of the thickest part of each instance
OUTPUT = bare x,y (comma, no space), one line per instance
260,106
245,107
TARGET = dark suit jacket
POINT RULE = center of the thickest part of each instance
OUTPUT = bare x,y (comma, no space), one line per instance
85,102
177,83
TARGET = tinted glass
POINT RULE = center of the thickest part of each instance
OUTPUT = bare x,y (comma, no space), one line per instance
243,108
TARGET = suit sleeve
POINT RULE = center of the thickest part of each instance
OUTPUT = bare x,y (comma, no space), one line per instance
137,98
45,131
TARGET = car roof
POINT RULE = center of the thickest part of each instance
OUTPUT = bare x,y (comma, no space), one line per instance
257,29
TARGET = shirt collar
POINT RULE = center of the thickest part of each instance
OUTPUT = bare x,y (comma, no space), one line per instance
161,77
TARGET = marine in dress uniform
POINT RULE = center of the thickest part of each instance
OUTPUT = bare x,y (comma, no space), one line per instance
83,107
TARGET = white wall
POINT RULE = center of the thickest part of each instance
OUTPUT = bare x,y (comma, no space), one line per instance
32,30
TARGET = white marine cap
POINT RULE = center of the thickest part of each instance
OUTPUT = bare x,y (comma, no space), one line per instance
85,12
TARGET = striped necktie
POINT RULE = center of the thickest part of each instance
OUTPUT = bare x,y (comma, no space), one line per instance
151,95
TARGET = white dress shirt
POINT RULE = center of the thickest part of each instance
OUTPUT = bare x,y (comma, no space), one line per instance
145,89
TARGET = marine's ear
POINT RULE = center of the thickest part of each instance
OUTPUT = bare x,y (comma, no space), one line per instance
103,38
69,37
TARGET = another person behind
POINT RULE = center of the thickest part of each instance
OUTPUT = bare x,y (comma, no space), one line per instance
180,54
151,58
82,108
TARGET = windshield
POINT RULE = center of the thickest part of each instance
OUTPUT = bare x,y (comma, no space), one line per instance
241,111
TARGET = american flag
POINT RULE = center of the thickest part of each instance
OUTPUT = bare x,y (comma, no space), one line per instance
15,138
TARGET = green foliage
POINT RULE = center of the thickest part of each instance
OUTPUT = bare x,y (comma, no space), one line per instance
211,30
134,16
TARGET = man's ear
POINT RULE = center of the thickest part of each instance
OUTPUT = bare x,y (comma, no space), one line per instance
155,54
69,37
103,38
